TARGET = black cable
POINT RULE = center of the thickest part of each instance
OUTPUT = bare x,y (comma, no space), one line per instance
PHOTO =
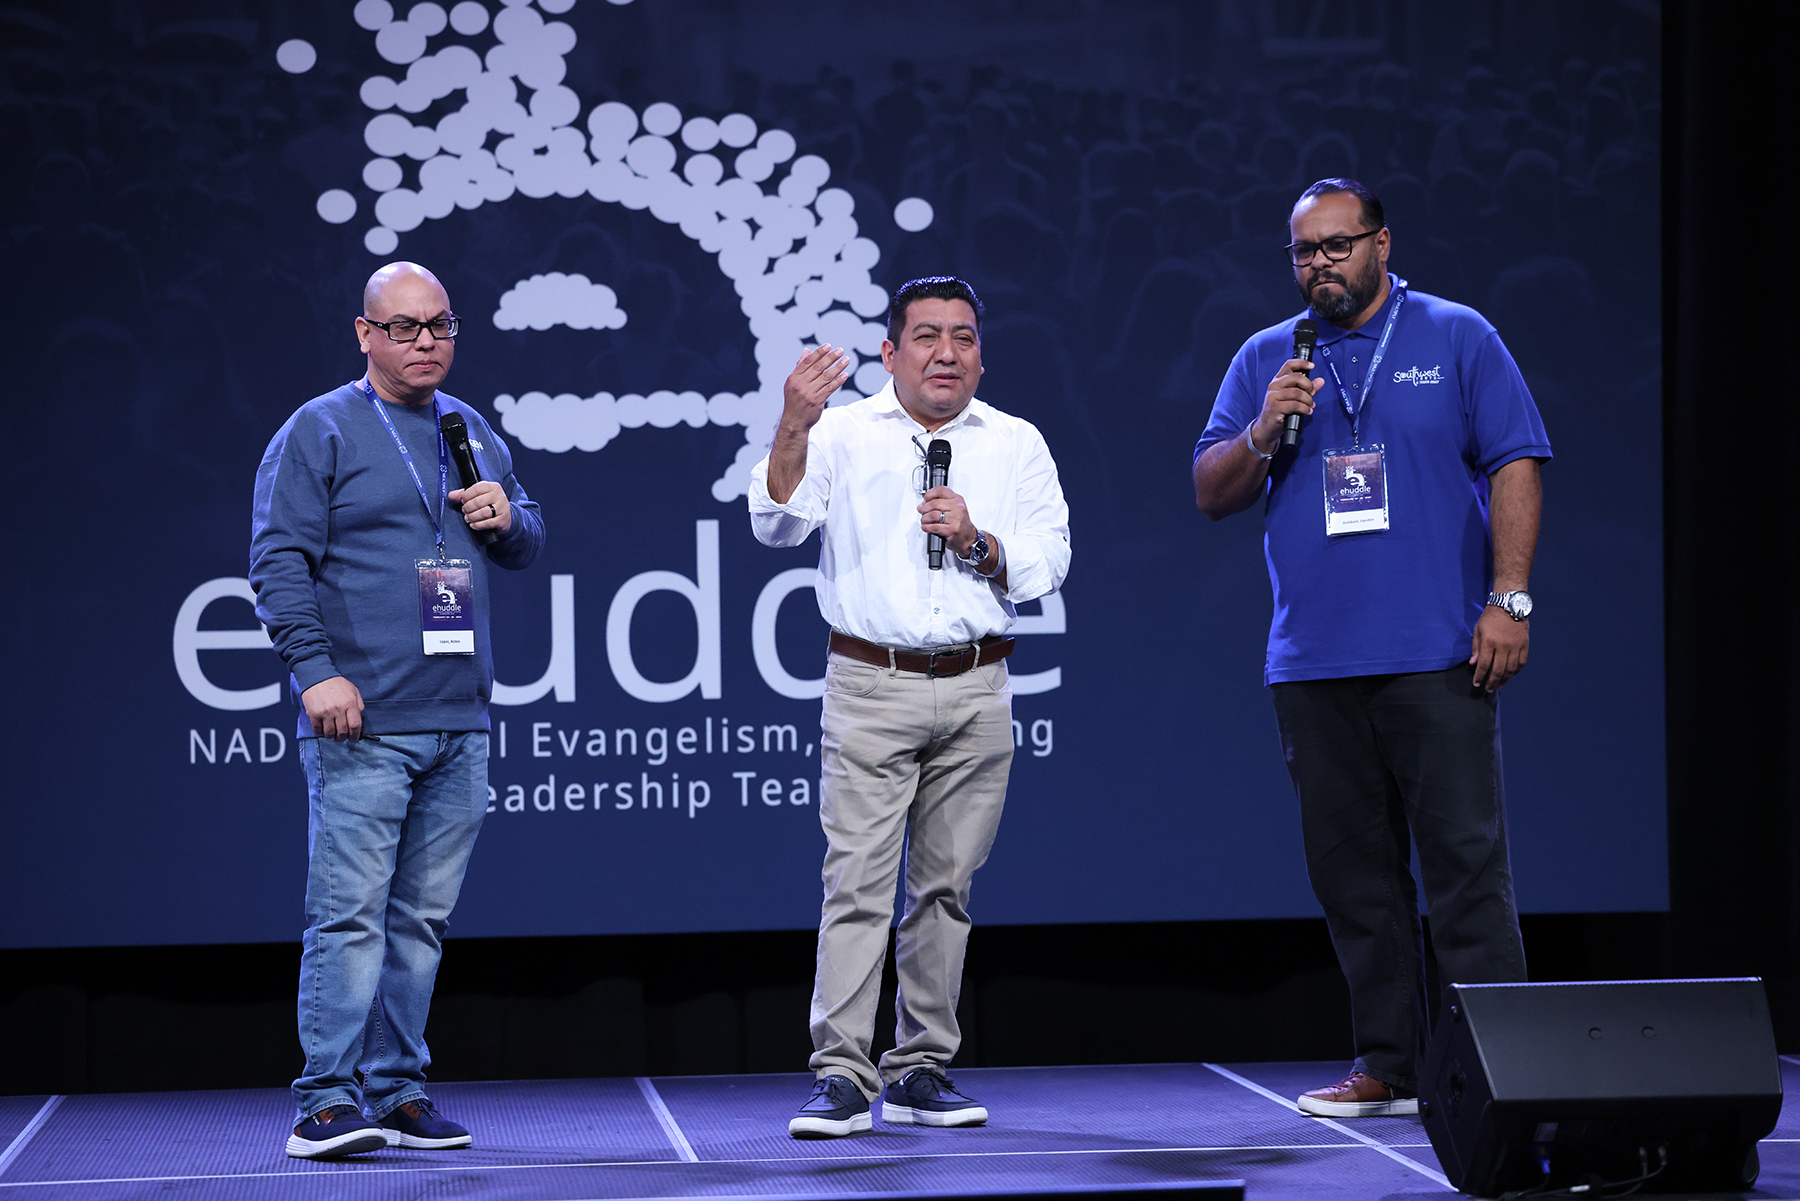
1596,1186
1662,1163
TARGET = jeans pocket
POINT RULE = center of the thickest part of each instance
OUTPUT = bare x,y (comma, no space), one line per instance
995,677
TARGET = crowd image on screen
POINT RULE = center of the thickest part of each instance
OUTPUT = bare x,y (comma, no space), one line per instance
1126,238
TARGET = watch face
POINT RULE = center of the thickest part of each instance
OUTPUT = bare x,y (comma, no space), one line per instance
1521,605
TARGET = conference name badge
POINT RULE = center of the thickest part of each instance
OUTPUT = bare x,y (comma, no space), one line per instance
1355,490
447,606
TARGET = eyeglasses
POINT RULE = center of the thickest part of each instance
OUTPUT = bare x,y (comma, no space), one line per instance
405,329
1336,249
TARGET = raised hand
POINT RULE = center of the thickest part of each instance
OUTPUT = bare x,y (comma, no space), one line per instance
820,372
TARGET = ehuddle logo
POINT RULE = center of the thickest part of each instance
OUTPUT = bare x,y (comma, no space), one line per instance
1419,375
791,251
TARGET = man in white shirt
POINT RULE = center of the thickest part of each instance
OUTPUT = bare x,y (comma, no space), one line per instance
917,727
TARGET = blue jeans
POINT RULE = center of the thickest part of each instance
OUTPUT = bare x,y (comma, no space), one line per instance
389,829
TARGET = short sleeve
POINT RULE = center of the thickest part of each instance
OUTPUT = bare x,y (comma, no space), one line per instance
1237,405
1504,423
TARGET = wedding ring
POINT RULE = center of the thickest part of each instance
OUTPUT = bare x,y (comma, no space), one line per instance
493,512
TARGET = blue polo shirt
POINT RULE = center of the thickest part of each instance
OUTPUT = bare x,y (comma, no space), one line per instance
1450,407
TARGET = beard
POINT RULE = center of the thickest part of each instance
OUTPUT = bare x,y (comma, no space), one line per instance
1357,295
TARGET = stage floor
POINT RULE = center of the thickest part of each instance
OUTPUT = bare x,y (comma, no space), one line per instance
1196,1129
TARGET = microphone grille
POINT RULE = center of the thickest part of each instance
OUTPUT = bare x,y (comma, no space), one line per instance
452,421
1306,332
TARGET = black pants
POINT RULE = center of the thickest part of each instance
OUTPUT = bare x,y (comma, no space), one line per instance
1376,761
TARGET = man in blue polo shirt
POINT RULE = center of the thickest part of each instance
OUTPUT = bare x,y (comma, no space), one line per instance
1400,529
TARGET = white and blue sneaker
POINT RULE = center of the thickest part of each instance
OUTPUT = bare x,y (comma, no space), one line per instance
334,1131
836,1108
419,1125
927,1099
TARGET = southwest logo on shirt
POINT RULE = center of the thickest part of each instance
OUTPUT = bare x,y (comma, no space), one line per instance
1419,375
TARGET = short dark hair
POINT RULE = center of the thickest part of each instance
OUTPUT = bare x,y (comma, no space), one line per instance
1371,204
932,287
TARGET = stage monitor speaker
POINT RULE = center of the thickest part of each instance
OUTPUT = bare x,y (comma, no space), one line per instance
1529,1085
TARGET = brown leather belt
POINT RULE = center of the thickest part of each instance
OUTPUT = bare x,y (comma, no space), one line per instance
936,664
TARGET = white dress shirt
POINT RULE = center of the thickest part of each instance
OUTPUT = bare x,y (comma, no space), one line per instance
863,483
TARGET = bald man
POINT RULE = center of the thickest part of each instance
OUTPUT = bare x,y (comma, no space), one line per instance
370,570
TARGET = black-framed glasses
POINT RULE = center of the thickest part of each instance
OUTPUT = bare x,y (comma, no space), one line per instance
1336,249
405,329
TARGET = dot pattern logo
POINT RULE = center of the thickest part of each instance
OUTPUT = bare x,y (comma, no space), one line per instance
787,241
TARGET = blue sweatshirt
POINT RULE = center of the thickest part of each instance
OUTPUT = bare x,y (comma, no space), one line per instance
335,538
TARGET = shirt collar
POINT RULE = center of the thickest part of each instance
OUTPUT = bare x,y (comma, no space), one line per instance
1330,334
887,402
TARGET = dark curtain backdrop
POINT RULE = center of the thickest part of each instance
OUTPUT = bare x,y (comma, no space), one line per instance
1733,533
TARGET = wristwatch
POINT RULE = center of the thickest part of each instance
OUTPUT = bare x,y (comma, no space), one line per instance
978,553
1516,604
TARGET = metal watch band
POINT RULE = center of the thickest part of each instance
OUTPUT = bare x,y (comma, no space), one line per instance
1515,604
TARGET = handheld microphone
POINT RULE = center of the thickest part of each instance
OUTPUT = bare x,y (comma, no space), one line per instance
937,475
1306,336
456,435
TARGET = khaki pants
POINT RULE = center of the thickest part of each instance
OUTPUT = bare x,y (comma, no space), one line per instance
914,772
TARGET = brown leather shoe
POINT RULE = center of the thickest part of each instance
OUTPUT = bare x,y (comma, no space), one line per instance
1358,1096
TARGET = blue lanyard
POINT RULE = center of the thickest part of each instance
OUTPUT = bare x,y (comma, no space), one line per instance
437,516
1355,415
